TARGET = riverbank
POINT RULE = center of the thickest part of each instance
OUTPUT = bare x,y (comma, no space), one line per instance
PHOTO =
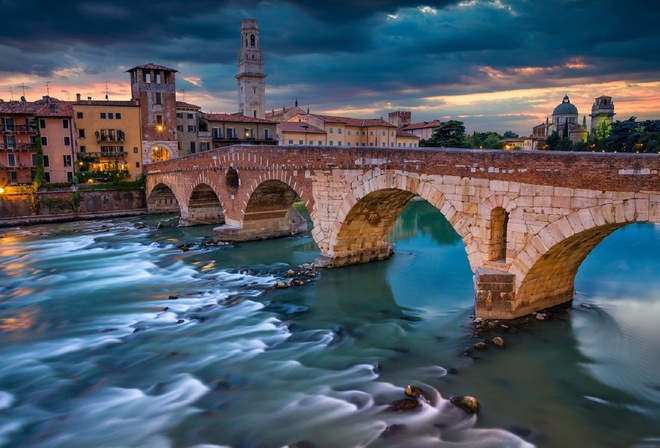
44,219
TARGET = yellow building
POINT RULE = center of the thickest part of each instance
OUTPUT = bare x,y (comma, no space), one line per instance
345,131
109,145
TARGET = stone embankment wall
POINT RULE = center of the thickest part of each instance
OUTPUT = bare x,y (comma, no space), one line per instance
20,205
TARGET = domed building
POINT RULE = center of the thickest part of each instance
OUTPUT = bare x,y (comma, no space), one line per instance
565,122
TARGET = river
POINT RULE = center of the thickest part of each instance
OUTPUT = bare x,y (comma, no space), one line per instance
127,333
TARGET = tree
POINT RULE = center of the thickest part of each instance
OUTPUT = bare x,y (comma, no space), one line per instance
510,134
602,131
450,134
553,141
39,171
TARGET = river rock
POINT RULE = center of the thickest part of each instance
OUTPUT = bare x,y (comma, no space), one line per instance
498,341
404,405
467,403
480,345
416,392
290,273
377,368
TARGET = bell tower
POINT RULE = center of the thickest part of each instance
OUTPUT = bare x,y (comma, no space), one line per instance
602,110
251,77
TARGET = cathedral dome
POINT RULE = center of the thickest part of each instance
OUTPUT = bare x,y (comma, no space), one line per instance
565,108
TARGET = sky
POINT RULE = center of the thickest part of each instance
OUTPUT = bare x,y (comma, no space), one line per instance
496,65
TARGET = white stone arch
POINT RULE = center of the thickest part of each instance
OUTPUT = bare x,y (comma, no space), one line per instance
375,181
545,268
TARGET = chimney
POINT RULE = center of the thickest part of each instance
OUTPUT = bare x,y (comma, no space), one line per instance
77,97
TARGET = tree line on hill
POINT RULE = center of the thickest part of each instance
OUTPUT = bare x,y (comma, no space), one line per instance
621,136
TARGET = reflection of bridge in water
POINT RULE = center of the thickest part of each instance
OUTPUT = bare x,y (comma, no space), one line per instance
528,219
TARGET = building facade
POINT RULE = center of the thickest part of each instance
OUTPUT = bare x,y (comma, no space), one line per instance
422,130
227,130
108,141
345,131
153,87
601,111
251,77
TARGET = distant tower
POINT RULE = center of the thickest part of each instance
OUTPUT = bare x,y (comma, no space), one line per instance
251,77
153,87
602,110
400,118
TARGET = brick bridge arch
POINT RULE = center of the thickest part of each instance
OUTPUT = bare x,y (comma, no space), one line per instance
528,219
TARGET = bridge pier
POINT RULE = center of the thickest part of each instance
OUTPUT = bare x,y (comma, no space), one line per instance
262,226
495,294
354,257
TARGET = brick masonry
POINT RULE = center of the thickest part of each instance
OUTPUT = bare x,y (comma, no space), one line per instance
558,206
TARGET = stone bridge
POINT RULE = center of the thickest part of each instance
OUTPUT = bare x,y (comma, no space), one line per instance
528,218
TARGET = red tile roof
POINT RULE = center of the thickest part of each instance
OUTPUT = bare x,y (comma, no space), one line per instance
359,122
185,105
424,125
402,133
300,127
235,118
152,66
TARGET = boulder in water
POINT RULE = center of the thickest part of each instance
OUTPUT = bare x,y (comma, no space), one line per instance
404,405
416,392
467,403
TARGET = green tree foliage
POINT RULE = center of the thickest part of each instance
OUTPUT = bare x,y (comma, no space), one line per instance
634,136
601,133
39,169
484,140
450,134
510,134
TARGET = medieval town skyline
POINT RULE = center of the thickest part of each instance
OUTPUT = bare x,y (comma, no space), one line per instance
495,65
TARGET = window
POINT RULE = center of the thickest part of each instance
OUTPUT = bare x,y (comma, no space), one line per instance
67,141
69,176
266,134
159,119
118,115
332,130
83,148
331,143
290,142
192,148
301,142
371,132
81,133
135,150
179,128
67,160
11,159
10,141
111,116
158,79
216,132
46,160
65,124
339,130
13,178
137,164
383,133
47,177
79,115
204,146
44,141
191,116
42,123
320,142
348,132
159,98
103,115
192,128
338,143
179,115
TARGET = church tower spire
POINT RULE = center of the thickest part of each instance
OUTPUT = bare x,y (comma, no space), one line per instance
251,77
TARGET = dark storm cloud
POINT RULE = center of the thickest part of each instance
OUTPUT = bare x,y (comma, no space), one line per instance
348,51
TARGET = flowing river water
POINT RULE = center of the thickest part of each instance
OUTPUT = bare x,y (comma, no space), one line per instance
114,334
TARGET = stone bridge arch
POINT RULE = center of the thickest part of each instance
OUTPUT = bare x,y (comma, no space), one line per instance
546,267
368,212
161,198
266,208
203,203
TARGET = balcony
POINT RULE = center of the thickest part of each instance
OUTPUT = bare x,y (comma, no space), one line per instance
18,129
19,147
110,136
94,156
